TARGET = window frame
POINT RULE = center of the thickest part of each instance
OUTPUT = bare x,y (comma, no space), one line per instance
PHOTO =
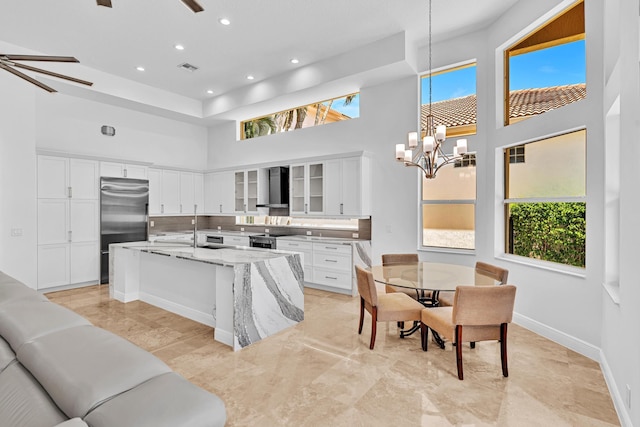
537,30
502,154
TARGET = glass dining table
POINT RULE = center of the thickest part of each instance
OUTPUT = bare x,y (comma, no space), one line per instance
428,279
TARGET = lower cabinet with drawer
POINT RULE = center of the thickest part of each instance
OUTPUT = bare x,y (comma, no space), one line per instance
332,265
236,240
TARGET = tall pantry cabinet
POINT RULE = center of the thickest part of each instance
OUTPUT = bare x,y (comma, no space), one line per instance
68,221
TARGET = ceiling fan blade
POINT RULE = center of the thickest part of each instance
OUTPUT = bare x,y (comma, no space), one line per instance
193,5
106,3
51,73
39,58
27,78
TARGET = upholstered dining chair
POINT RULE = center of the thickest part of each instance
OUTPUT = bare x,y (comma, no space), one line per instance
395,307
445,299
391,259
479,313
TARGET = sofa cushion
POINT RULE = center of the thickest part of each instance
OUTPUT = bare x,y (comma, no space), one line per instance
23,402
6,355
165,401
80,367
26,320
11,290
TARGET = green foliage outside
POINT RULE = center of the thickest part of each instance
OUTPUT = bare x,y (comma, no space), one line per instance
550,231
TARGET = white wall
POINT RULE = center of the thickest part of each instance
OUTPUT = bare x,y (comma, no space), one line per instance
71,124
17,179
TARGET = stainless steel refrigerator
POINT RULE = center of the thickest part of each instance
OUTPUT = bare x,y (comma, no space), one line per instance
124,215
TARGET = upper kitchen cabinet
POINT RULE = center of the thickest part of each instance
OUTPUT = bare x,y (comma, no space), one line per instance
219,196
347,187
251,188
306,189
67,178
123,170
174,192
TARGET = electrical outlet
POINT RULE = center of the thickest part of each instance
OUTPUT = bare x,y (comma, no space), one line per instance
241,228
308,233
219,228
355,235
266,230
628,396
193,222
152,223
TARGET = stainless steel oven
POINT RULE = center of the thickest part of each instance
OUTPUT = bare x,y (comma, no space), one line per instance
262,241
215,239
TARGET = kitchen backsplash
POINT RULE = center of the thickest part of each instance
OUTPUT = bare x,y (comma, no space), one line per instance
164,224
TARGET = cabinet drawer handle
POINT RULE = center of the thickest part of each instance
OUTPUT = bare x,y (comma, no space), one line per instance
125,172
330,277
162,208
221,208
180,207
293,244
341,208
70,192
70,239
331,247
331,260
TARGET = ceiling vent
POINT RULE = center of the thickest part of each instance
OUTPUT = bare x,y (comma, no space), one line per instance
188,67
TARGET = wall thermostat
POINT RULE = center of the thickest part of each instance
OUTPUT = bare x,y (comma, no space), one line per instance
108,130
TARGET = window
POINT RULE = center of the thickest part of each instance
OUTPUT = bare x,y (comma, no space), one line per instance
453,99
316,114
516,154
545,206
448,207
468,159
546,70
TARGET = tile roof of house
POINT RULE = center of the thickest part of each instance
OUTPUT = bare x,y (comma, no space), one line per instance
523,103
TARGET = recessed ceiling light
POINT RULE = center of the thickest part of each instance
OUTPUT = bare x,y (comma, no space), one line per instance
209,91
224,21
140,68
250,77
179,47
294,60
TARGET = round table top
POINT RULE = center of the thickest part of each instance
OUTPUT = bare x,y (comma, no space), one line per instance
430,276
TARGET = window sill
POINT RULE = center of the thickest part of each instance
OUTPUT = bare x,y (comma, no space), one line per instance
544,265
447,250
613,290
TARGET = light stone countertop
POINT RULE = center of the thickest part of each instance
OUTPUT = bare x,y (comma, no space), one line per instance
336,240
220,255
229,232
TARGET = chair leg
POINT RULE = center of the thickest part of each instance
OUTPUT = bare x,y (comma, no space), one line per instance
424,332
459,351
400,325
374,322
361,315
503,349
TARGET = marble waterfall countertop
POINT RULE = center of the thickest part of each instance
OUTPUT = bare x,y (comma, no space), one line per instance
212,254
320,239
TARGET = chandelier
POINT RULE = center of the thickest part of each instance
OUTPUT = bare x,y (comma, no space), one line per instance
428,155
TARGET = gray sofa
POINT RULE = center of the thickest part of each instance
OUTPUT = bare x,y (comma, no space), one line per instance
56,369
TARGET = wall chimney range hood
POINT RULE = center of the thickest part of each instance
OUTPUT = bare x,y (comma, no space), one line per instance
278,192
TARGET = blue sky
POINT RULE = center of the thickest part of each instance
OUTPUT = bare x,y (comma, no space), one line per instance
352,110
555,66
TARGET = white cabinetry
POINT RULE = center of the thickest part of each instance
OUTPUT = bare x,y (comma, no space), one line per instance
219,195
347,187
306,189
332,265
236,240
174,192
68,221
123,170
251,187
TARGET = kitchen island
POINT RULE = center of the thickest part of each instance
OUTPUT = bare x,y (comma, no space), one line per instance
245,294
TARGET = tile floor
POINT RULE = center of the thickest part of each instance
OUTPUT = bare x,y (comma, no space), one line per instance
322,373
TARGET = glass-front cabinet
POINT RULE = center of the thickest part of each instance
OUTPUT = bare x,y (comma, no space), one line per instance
307,189
248,190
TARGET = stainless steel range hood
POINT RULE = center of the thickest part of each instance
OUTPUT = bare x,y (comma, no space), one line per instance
278,192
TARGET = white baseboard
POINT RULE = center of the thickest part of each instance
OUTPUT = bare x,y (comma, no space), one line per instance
225,337
122,297
189,313
575,344
614,391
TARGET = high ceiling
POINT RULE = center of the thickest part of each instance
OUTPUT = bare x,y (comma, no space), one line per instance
264,35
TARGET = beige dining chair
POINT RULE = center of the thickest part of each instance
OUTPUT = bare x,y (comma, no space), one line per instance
395,307
391,259
445,299
479,313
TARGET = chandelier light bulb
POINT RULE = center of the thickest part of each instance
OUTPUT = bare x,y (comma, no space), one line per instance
412,138
408,156
428,143
399,152
461,146
441,133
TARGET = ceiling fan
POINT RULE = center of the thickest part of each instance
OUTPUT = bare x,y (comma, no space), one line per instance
7,62
191,4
